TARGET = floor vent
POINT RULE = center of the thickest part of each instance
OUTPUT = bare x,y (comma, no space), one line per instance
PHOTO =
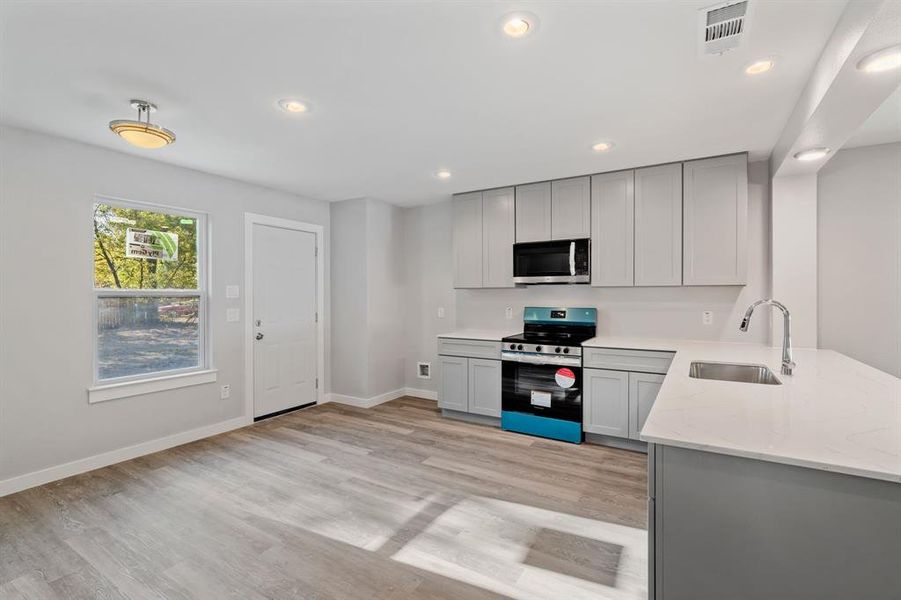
723,26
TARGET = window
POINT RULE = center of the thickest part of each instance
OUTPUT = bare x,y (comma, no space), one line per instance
149,291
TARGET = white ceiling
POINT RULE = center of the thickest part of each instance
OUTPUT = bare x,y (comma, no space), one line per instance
882,127
401,89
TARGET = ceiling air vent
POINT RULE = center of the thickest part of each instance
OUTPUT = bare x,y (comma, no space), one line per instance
723,26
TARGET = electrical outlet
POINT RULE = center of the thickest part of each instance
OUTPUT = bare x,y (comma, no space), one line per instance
226,391
440,312
509,312
707,317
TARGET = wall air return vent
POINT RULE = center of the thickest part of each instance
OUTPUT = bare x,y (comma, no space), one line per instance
722,26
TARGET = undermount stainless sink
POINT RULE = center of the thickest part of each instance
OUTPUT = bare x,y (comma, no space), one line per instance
733,372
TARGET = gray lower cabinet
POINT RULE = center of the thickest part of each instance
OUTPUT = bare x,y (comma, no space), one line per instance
715,215
485,387
571,208
605,402
658,225
617,403
454,388
643,388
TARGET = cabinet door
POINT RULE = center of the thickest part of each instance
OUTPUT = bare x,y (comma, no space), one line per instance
612,229
605,402
454,389
715,211
498,233
468,240
533,212
571,208
485,387
643,388
658,225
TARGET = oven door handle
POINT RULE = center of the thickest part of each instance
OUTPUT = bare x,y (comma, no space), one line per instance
538,359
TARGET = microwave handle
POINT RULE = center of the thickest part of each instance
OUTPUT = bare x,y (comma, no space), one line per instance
572,258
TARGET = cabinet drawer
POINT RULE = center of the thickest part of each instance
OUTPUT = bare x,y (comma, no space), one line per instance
645,361
469,348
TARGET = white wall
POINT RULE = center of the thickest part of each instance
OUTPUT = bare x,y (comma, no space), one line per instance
47,187
367,298
644,312
859,246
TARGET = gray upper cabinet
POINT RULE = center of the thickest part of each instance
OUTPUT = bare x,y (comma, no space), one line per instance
485,387
468,240
715,211
533,212
643,388
498,223
612,229
605,402
571,208
658,225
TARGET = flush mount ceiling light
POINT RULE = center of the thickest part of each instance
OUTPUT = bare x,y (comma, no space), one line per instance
443,174
602,146
760,66
882,60
519,24
293,105
142,133
812,154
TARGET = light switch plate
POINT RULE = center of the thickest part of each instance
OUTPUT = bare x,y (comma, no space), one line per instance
440,312
509,312
233,315
226,391
232,291
707,317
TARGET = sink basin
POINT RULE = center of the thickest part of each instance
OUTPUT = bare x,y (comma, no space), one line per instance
733,372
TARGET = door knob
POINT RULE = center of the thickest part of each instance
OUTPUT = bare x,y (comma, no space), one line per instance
259,336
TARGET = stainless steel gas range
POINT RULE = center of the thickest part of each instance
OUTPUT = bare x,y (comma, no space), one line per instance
542,373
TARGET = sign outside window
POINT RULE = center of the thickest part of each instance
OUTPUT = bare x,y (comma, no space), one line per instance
148,243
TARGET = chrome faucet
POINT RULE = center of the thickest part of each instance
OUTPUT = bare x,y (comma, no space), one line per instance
787,362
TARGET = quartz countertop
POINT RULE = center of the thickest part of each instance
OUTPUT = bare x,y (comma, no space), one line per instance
485,335
834,413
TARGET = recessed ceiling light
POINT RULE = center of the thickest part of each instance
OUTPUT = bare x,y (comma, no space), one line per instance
812,154
882,60
443,174
760,66
142,134
294,106
518,24
602,146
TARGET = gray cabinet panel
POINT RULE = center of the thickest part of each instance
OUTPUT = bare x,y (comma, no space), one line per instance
643,388
467,211
715,211
613,229
571,208
533,212
621,359
454,389
605,402
469,348
658,225
485,387
498,233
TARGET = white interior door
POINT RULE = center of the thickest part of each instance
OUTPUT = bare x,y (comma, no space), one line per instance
284,319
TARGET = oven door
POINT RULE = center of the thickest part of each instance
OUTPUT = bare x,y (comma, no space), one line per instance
544,386
558,261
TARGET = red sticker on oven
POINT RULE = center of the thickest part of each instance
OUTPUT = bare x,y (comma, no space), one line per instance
565,378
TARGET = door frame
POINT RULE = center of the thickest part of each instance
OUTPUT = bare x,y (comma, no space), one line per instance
251,219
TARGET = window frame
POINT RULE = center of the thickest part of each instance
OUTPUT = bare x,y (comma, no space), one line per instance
204,353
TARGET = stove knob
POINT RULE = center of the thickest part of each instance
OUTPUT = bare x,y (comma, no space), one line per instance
512,346
519,347
557,349
566,351
537,348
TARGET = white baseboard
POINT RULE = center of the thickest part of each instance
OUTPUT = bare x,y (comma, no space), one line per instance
366,402
424,394
76,467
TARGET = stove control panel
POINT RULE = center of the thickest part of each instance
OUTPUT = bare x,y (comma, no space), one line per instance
538,349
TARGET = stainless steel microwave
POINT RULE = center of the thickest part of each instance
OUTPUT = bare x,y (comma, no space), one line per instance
556,261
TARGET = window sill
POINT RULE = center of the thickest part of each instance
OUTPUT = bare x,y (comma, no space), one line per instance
113,391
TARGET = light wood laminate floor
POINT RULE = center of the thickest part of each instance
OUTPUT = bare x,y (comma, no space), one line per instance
338,502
